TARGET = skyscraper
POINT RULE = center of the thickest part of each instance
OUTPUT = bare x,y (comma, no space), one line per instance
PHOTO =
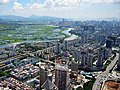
58,48
109,43
65,45
84,39
62,76
84,57
118,65
48,85
74,66
100,38
76,55
100,57
43,75
90,60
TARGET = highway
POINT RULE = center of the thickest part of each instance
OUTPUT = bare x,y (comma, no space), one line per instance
104,75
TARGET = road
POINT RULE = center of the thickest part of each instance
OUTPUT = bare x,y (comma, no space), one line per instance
104,75
25,54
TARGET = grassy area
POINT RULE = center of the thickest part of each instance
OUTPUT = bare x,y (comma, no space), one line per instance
18,33
3,74
42,29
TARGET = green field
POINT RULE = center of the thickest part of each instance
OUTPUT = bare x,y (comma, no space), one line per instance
17,33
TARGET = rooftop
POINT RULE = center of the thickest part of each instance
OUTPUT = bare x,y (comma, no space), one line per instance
111,85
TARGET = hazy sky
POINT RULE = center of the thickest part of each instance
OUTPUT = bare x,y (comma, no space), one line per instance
78,9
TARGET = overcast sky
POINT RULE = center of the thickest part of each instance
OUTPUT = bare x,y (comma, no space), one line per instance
77,9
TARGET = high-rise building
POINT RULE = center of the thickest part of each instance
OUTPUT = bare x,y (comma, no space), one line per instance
117,43
100,57
92,28
65,45
113,38
105,53
100,38
76,55
89,28
62,76
90,60
90,57
48,85
84,39
58,48
43,75
109,43
109,52
118,65
84,56
74,66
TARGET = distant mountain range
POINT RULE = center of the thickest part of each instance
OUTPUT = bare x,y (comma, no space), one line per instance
12,18
43,18
1,20
31,18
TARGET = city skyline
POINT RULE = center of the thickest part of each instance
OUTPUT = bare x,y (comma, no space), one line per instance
75,9
59,44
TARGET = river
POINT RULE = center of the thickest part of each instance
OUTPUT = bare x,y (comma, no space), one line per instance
72,36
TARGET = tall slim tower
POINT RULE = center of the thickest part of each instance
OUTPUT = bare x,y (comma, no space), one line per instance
100,57
84,39
84,56
90,57
62,76
43,75
58,48
90,60
65,45
74,66
109,43
118,65
76,55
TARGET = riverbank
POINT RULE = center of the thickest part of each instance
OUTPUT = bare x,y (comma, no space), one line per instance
72,36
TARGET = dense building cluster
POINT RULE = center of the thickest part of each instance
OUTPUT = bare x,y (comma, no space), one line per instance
66,64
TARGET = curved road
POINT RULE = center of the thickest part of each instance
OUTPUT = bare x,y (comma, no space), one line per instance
104,75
